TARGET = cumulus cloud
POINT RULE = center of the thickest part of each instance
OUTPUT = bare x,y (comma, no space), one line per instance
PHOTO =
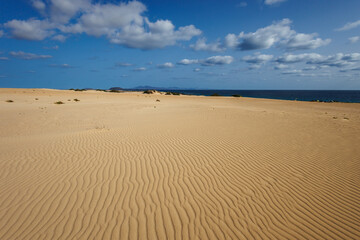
166,65
271,2
217,60
32,29
302,41
61,11
4,58
59,37
121,23
197,70
1,33
349,26
281,66
28,56
188,61
210,61
201,45
39,5
354,39
277,34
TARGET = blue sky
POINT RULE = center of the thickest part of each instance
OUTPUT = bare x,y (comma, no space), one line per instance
230,44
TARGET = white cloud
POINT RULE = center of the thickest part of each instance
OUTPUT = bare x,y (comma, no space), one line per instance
281,66
188,61
349,26
4,58
28,56
354,39
201,45
294,71
166,65
197,70
258,58
140,69
1,33
61,11
39,5
305,41
122,23
32,29
217,60
278,33
336,60
271,2
210,61
59,37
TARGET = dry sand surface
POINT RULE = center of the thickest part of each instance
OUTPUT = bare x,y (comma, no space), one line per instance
125,166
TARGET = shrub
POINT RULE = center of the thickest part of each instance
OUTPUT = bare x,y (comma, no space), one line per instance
9,101
236,95
58,102
215,95
149,91
172,93
76,100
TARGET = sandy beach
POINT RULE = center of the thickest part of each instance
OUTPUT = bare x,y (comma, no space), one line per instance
126,166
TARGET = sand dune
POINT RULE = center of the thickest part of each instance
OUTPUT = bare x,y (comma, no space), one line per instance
124,166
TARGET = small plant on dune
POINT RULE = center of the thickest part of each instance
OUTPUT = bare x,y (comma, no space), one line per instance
157,100
172,93
236,95
9,101
69,100
36,99
76,100
114,91
149,91
215,95
58,102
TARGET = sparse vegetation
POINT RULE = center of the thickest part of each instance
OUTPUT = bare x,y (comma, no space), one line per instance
9,101
172,93
76,100
215,95
36,99
59,102
79,90
236,95
114,91
157,100
149,91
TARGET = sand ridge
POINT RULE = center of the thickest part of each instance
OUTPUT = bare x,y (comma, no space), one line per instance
125,166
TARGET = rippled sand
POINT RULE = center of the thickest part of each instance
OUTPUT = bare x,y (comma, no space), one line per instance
125,166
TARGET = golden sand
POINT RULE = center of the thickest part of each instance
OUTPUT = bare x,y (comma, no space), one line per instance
125,166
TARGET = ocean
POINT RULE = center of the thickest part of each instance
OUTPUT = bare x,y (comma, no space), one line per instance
351,96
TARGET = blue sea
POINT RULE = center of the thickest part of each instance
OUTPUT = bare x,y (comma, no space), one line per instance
299,95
